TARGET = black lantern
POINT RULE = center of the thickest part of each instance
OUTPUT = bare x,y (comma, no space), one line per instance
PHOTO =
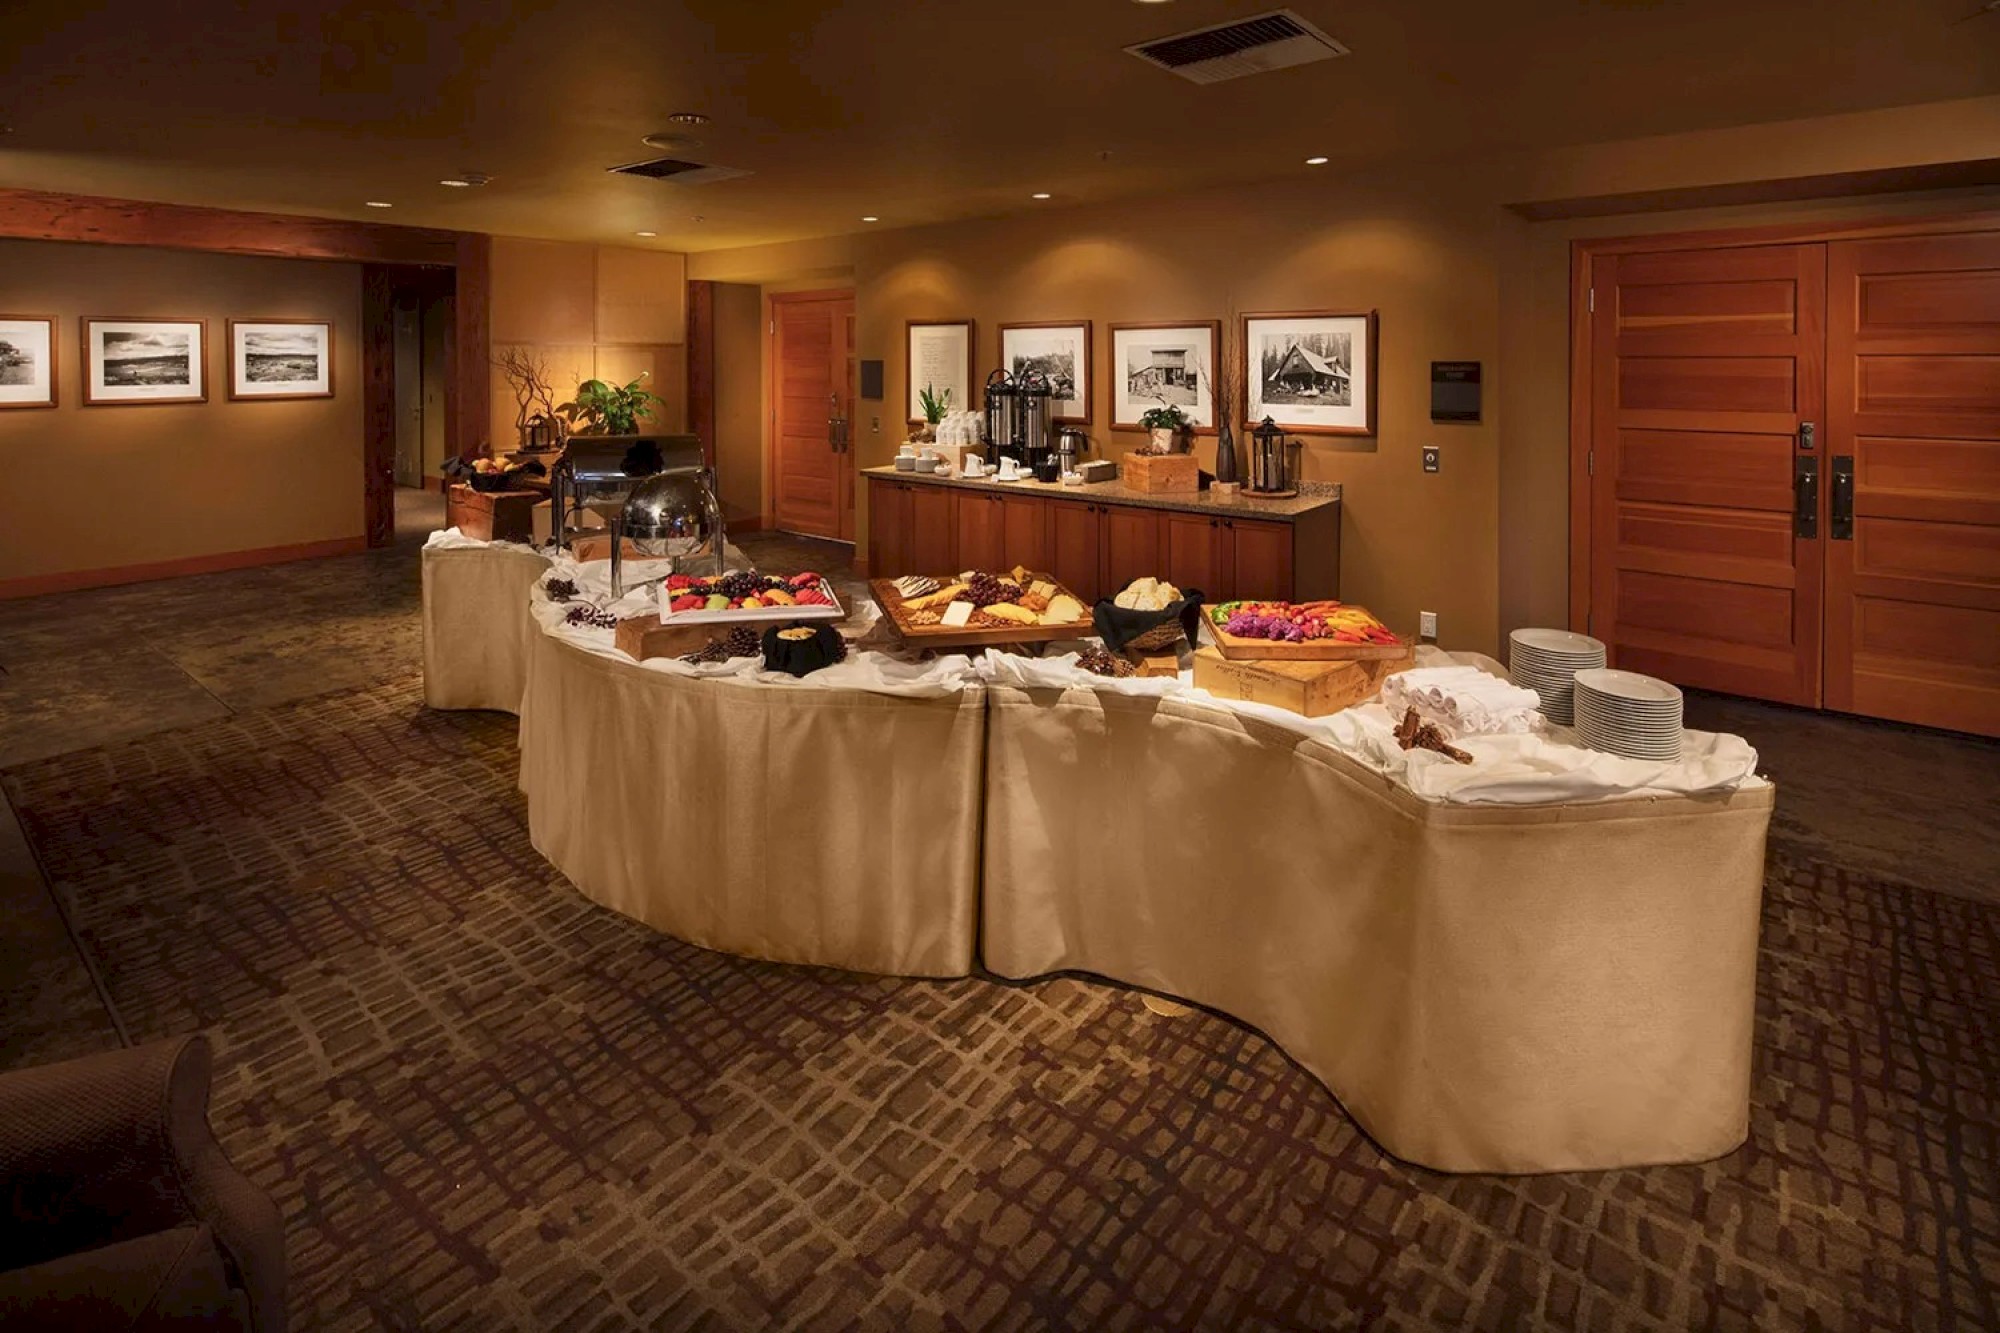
1267,457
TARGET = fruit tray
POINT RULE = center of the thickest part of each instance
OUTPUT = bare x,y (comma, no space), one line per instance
1243,648
895,609
821,603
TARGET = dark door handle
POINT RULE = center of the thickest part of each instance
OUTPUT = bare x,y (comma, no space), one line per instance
1840,523
1805,496
1805,435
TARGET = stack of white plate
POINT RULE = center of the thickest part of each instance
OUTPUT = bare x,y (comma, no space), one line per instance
1627,714
1546,661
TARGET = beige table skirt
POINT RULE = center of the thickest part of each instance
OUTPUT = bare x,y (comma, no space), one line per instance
1512,989
476,625
828,826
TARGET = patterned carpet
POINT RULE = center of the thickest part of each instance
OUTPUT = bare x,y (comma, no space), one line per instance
484,1103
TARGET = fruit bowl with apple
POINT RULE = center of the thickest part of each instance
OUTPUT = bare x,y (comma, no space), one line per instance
743,594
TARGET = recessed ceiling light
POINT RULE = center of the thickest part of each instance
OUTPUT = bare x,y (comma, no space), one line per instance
688,118
1315,161
672,142
377,203
645,233
697,218
466,180
455,183
1040,194
871,218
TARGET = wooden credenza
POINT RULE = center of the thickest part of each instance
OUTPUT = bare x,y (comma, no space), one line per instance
1096,544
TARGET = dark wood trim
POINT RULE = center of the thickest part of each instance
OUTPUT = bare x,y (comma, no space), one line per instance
378,402
1792,233
1089,362
1975,174
1374,323
701,365
36,585
971,360
468,351
204,359
1579,439
229,361
41,215
55,364
1214,327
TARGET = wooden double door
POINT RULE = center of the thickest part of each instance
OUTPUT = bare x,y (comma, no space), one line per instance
1793,471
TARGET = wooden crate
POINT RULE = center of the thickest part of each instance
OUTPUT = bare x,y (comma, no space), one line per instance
1312,689
642,637
1161,474
1238,649
492,516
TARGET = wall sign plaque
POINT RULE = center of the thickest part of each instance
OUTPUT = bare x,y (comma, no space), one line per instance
1454,391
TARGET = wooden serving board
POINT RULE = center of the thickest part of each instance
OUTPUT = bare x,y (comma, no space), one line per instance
1238,649
1312,689
641,637
974,636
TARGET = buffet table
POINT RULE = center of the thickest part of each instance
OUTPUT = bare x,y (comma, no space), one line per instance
1542,961
476,626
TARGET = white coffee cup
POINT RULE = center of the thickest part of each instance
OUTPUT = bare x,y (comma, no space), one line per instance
908,451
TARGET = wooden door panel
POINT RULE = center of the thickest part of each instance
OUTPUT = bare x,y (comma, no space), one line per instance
1913,387
1692,306
1760,542
1075,530
1131,545
1261,558
1731,469
888,529
1705,609
1193,554
1024,532
1720,384
804,483
977,524
930,530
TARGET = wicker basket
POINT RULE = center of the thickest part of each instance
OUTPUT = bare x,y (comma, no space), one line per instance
1158,639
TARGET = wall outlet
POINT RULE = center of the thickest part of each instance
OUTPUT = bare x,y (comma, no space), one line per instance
1427,625
875,425
1430,458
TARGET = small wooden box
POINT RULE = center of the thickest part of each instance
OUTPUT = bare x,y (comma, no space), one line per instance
642,637
1312,689
1161,474
492,516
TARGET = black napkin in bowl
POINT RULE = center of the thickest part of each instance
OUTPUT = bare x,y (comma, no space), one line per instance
1118,626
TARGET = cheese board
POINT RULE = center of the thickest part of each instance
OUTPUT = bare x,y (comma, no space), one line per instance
926,618
1373,641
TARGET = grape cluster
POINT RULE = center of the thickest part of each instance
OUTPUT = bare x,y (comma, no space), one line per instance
986,589
590,616
561,590
742,642
1101,663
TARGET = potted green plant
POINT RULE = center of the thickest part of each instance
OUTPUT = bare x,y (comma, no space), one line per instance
609,409
935,405
1169,428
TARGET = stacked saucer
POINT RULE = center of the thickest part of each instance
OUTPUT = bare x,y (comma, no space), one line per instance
1629,715
1546,661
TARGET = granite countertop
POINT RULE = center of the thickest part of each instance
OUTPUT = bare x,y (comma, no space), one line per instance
1313,495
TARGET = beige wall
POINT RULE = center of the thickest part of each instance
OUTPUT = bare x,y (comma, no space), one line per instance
739,412
1455,273
590,311
111,487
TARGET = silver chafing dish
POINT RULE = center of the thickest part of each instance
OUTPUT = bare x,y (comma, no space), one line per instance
674,515
597,472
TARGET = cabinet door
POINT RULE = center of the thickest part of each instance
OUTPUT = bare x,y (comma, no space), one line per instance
977,523
930,531
1074,557
888,529
1193,556
1131,546
1262,557
1024,532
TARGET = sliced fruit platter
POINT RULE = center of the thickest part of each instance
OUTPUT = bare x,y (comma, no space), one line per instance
744,595
1325,631
976,607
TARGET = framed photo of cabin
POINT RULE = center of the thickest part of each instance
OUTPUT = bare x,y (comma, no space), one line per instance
280,358
1060,352
1164,365
938,357
27,361
1312,372
144,361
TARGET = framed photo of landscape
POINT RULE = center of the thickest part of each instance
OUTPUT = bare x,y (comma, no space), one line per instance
144,361
1060,350
1311,372
280,358
1164,365
938,357
27,361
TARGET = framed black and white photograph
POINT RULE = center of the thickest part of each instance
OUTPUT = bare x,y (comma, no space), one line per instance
144,361
1311,372
1059,351
1164,365
939,360
278,358
27,361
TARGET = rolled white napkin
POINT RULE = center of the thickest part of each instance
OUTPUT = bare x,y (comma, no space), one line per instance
1464,701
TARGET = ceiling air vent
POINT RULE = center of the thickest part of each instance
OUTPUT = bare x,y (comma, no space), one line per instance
1232,50
680,172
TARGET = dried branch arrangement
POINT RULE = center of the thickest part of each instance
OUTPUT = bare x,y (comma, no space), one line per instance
534,392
